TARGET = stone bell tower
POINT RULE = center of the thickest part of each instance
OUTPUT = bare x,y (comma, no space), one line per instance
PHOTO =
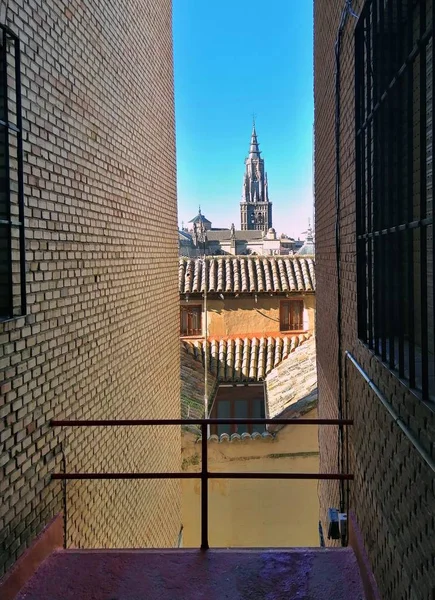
255,208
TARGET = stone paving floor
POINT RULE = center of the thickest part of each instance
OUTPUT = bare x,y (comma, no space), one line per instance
290,574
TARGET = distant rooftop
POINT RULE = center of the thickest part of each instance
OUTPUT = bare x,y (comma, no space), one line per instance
200,218
252,274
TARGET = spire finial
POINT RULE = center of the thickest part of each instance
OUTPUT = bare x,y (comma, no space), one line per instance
254,151
199,209
253,120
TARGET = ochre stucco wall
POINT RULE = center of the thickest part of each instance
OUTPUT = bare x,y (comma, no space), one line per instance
252,512
238,316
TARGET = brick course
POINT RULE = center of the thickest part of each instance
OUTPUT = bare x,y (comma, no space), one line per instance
393,492
100,337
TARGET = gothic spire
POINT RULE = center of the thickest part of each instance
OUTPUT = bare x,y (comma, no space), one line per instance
254,151
255,207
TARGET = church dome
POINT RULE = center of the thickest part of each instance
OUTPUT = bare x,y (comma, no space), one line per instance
200,218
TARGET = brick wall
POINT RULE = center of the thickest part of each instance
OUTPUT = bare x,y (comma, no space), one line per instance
100,337
393,491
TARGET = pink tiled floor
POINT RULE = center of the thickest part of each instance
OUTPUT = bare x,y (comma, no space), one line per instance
303,574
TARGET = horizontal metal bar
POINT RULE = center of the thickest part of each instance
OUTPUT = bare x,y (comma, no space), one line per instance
10,223
394,415
10,126
397,228
199,475
140,422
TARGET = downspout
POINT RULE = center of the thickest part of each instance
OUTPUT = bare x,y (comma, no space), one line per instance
206,415
393,414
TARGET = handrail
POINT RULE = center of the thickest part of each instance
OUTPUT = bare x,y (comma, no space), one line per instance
395,416
204,474
241,421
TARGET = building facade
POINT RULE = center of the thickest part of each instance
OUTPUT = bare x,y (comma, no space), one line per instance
373,89
202,239
89,302
247,296
255,207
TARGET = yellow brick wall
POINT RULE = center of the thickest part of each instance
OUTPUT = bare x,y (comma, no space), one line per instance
100,338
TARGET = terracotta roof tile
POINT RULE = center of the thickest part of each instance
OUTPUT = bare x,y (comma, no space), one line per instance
247,274
192,385
244,359
292,386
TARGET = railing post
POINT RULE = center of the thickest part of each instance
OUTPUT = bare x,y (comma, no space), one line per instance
204,489
64,499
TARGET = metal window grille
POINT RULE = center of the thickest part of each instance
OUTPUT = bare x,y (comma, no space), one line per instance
12,252
394,193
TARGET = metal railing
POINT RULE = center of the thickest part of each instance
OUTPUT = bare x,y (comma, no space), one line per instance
204,475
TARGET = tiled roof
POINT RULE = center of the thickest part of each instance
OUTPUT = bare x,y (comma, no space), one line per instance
247,274
247,359
291,388
237,437
192,386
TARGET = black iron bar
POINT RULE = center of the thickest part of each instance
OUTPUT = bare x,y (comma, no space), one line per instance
431,388
210,475
416,224
7,182
204,489
64,498
22,242
410,205
241,421
390,107
423,210
377,185
360,195
401,239
381,198
369,200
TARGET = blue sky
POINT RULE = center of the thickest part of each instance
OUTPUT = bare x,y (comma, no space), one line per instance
233,58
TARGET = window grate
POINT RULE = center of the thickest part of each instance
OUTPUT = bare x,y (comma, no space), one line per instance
394,194
12,243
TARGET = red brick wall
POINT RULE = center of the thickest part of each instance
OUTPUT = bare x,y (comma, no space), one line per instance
100,338
393,492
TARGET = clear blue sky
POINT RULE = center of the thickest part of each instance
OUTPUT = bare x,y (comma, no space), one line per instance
233,58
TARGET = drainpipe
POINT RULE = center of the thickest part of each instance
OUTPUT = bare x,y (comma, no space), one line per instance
394,415
206,415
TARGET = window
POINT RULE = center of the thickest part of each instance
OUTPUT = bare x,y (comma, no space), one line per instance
12,253
291,315
237,402
190,320
394,170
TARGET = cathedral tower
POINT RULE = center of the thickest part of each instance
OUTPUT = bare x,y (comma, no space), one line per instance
255,208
